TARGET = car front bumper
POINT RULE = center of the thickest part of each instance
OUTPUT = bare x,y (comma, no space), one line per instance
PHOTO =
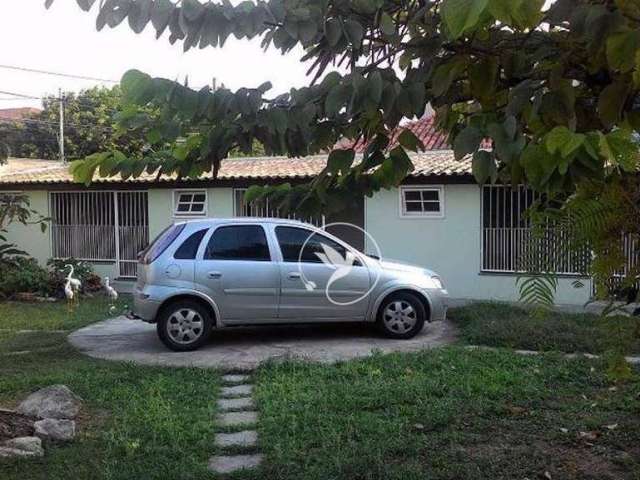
439,303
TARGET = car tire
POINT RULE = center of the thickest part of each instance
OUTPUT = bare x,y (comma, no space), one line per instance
401,315
184,325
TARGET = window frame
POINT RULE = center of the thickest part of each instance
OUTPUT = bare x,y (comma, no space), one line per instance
195,191
421,188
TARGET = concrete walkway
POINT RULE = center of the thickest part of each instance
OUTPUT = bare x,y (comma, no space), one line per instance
245,348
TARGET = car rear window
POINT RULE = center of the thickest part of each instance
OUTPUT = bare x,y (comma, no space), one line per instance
238,242
189,248
161,242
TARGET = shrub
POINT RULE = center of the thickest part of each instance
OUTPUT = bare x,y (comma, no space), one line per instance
23,274
83,271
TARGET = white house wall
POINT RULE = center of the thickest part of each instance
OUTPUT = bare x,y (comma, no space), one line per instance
449,245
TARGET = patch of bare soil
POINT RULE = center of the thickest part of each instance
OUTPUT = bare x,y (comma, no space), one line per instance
13,425
561,460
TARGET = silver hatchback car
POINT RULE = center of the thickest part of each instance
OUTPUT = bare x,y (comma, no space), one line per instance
214,273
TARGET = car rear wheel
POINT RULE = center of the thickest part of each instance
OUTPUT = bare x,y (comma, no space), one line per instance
401,315
184,325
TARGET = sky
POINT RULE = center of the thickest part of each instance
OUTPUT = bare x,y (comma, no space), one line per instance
64,39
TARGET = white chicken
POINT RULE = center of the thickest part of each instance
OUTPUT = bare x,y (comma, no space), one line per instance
111,292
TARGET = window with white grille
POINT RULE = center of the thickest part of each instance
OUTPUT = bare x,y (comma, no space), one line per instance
83,225
422,201
508,239
190,203
265,210
100,226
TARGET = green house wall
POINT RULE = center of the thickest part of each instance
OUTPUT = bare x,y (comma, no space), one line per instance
450,245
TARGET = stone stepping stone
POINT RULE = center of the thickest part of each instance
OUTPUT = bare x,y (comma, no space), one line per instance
233,463
231,378
228,404
245,438
235,419
236,391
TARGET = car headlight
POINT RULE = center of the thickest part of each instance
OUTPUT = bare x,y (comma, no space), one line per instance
437,282
429,281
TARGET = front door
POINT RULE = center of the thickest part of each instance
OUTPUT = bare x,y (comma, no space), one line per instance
320,278
237,271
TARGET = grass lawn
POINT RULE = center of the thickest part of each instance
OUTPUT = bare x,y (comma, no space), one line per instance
444,414
448,414
137,423
503,325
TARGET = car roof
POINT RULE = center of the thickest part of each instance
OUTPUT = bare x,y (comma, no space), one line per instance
245,220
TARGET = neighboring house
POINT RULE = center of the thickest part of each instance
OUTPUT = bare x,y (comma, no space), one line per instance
438,218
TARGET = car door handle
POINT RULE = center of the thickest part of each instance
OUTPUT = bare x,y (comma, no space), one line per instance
214,274
294,275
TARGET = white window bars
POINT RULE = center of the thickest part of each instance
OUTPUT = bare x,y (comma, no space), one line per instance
509,243
100,226
264,210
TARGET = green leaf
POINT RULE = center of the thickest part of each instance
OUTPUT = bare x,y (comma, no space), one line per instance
482,166
333,31
462,15
409,140
557,138
338,96
192,9
83,4
483,75
375,85
137,87
161,15
139,15
387,25
340,161
446,73
611,101
619,148
307,31
621,50
521,14
355,32
466,142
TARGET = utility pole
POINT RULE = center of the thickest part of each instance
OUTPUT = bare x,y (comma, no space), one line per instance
61,136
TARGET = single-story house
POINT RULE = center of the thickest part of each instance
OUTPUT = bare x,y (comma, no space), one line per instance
439,217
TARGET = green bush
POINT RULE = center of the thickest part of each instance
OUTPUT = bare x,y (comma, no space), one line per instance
23,274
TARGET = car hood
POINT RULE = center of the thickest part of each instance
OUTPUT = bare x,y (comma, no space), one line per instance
399,266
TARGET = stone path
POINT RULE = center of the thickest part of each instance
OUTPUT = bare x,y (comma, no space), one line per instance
237,442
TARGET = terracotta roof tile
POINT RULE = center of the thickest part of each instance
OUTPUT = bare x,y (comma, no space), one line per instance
424,128
30,171
17,113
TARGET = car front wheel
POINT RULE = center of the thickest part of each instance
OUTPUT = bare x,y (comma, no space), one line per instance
184,325
401,315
